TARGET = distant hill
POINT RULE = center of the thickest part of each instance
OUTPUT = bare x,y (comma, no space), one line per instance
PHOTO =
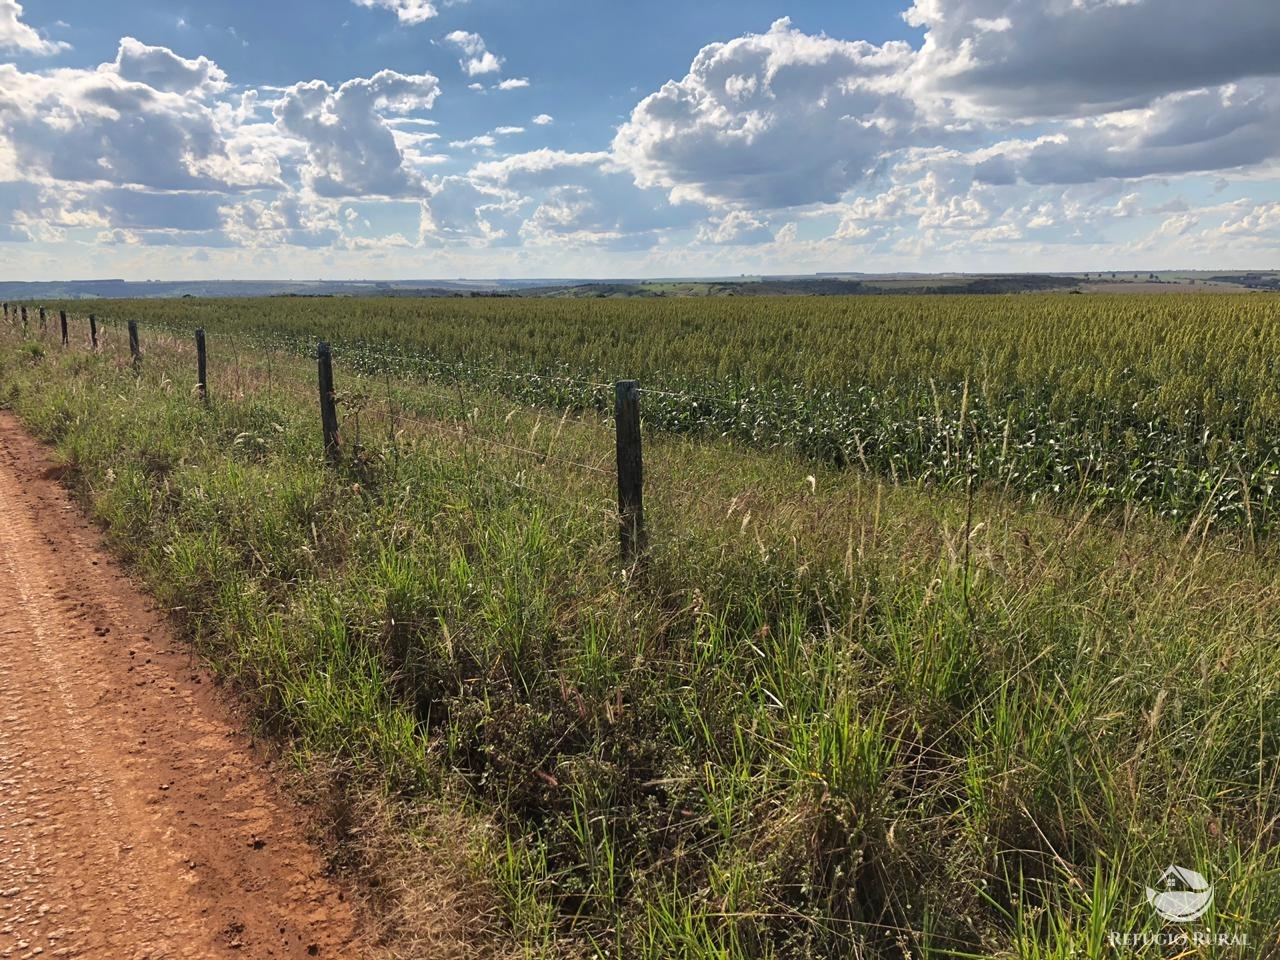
130,290
824,284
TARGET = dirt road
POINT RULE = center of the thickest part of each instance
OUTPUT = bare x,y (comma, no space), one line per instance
135,820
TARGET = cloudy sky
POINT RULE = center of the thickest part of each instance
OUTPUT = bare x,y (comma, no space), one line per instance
156,139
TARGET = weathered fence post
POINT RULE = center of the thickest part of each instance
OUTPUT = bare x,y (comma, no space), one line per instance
328,404
24,321
202,383
93,331
134,350
6,311
630,471
62,318
44,322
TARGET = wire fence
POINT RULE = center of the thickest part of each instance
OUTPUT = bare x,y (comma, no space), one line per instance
472,384
184,355
389,398
1015,437
529,386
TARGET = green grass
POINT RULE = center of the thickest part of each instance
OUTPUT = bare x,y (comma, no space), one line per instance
832,716
1170,405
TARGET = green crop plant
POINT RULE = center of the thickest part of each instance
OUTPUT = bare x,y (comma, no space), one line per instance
1171,405
957,715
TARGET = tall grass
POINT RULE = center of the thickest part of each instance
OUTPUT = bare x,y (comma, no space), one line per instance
832,716
1167,403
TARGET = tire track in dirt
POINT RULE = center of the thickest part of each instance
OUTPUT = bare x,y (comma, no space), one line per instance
135,821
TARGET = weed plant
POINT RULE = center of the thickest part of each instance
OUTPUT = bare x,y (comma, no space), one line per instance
831,716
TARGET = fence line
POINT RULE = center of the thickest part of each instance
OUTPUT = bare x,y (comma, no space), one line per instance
629,522
724,402
302,346
546,457
628,446
501,372
560,498
356,360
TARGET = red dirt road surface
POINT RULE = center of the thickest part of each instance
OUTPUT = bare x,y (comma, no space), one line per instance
135,821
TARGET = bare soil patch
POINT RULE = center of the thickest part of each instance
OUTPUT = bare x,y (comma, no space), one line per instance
136,819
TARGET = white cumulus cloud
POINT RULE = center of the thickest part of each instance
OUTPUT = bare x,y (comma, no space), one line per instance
104,126
162,69
16,35
582,198
737,228
476,59
460,208
407,11
772,120
350,149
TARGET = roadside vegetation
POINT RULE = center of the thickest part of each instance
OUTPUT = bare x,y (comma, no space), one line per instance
896,685
1168,404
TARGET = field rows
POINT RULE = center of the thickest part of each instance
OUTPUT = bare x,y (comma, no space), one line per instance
834,716
1171,405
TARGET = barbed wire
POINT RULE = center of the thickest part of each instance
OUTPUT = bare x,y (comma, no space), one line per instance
363,351
696,397
111,345
501,372
466,434
356,351
465,430
577,505
499,409
359,352
462,432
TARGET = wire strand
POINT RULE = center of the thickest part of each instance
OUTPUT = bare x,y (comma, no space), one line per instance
441,365
468,435
576,505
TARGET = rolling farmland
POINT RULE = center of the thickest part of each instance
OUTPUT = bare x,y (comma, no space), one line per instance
1170,404
957,624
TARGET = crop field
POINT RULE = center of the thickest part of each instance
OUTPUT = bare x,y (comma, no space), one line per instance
1171,405
958,623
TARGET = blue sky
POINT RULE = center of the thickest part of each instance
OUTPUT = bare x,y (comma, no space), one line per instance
484,138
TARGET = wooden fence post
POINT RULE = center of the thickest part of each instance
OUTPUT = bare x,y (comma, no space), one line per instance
630,471
328,404
62,318
24,321
93,331
44,322
134,350
6,311
200,366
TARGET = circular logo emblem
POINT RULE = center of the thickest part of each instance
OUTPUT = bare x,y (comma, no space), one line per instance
1187,895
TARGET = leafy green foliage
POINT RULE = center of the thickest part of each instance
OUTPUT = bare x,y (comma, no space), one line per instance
833,716
1168,403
